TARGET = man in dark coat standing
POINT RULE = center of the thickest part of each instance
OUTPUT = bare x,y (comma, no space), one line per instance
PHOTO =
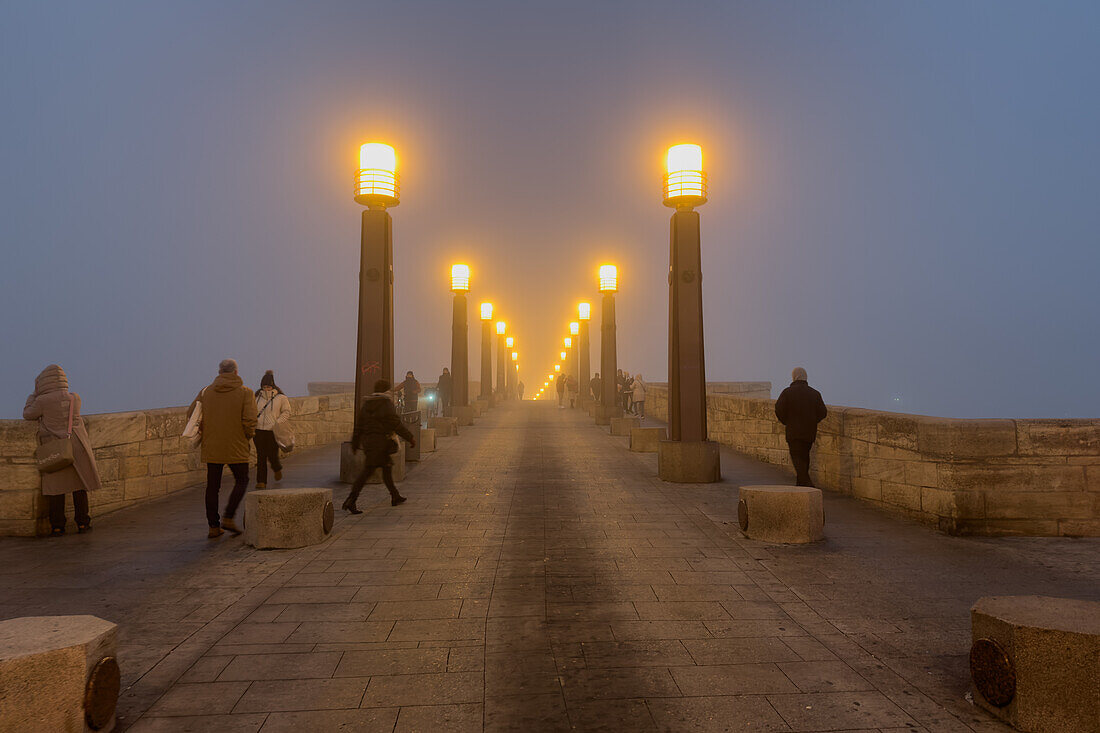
443,387
800,408
377,422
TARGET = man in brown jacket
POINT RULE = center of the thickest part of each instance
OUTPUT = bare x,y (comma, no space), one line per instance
228,424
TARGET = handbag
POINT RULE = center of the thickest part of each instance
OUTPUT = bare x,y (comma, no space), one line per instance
283,436
192,431
57,454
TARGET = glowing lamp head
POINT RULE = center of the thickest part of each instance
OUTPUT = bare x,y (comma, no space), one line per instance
376,179
509,342
557,368
460,278
609,278
574,328
685,180
584,311
515,356
501,327
486,311
563,355
567,342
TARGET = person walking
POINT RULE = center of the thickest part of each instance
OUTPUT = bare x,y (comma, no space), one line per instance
272,409
519,387
378,421
228,424
57,411
443,386
559,385
410,388
624,390
800,408
637,394
596,386
572,390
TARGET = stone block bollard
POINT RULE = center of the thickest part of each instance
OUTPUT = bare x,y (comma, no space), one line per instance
427,440
646,440
623,425
282,519
781,514
445,427
58,673
1035,662
592,408
463,413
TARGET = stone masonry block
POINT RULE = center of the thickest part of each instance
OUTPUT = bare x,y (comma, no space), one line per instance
18,504
287,518
1040,505
646,440
901,495
991,476
116,429
1058,437
464,414
781,514
18,476
58,673
427,440
1035,662
966,438
445,427
623,425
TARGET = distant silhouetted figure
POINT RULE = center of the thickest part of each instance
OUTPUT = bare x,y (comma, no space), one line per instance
559,385
443,387
519,388
373,435
800,408
596,386
572,390
228,425
637,393
410,390
57,411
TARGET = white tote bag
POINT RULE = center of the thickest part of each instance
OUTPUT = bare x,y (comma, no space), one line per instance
192,431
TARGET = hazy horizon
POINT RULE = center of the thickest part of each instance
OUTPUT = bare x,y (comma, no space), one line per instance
902,196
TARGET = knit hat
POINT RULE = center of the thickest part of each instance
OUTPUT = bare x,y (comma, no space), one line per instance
268,379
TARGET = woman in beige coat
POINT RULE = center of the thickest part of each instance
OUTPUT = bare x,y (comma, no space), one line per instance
49,405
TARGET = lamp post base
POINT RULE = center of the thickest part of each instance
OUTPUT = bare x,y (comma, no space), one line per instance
463,413
605,413
694,462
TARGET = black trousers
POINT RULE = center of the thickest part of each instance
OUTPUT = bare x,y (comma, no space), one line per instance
267,451
56,504
361,481
800,458
214,486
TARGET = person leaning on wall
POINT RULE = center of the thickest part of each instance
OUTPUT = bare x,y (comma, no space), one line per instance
800,408
57,411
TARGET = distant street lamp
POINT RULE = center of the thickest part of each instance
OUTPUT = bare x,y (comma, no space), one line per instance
460,362
609,401
502,392
376,187
487,353
687,457
584,369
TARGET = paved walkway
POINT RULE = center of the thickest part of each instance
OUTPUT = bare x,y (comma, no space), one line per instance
540,578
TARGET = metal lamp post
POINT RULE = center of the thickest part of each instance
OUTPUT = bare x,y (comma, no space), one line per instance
460,362
609,399
502,391
584,368
687,456
487,353
515,374
575,346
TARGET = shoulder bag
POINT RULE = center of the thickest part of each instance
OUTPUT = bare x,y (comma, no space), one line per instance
57,454
192,432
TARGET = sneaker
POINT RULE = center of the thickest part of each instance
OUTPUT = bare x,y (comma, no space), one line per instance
230,525
214,533
260,486
278,475
397,500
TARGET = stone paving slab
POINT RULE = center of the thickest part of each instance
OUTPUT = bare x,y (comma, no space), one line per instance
540,578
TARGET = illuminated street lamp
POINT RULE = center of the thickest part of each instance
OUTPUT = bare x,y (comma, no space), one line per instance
502,392
563,356
460,362
376,187
609,402
584,369
487,353
687,457
510,376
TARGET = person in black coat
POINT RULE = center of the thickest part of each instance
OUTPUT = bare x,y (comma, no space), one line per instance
377,422
800,408
443,387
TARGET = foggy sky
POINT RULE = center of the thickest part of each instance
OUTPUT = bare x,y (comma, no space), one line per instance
903,196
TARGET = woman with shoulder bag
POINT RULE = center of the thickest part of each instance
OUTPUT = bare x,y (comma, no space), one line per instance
273,410
69,468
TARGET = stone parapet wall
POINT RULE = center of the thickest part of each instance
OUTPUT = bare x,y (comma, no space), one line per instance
989,477
140,456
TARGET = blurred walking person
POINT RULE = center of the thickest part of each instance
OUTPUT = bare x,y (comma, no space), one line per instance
559,385
637,394
378,421
410,390
228,424
272,410
800,408
443,387
596,387
571,389
519,388
57,411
